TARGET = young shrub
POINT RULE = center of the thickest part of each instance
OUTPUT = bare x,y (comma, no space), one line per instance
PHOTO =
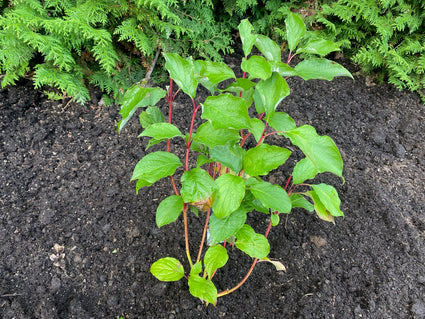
227,179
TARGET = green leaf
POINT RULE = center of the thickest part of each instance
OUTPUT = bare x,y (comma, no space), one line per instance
248,39
167,269
203,289
226,111
211,137
202,159
142,183
231,191
320,150
251,243
257,128
215,72
257,67
215,257
138,96
197,186
271,196
295,29
155,166
150,116
268,48
320,47
298,200
329,198
240,85
304,170
275,219
263,158
321,69
182,71
272,91
196,269
320,209
169,210
281,122
222,229
230,156
162,131
282,68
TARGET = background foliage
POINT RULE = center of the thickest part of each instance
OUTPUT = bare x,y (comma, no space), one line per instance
71,44
383,36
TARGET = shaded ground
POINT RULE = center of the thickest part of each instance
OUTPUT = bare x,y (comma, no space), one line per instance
76,242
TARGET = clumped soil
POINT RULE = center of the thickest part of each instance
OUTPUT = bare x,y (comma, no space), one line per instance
77,242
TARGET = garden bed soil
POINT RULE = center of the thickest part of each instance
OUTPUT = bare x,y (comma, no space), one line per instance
77,242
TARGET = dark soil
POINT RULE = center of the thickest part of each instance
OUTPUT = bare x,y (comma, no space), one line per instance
76,241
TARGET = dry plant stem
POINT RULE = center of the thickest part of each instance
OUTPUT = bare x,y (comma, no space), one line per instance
228,291
204,235
186,235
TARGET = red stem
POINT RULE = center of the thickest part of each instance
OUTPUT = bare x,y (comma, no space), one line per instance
287,182
189,142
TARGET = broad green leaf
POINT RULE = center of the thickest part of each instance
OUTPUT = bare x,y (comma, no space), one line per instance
272,91
329,198
197,186
271,196
215,257
252,203
230,156
138,96
222,229
282,68
162,131
203,289
268,48
150,116
230,192
260,160
167,269
169,210
257,67
320,47
320,150
320,209
275,219
248,39
226,111
182,71
215,72
155,166
211,137
202,159
257,128
321,69
251,243
281,122
295,30
298,200
304,170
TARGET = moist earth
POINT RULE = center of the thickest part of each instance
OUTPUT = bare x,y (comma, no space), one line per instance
77,242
